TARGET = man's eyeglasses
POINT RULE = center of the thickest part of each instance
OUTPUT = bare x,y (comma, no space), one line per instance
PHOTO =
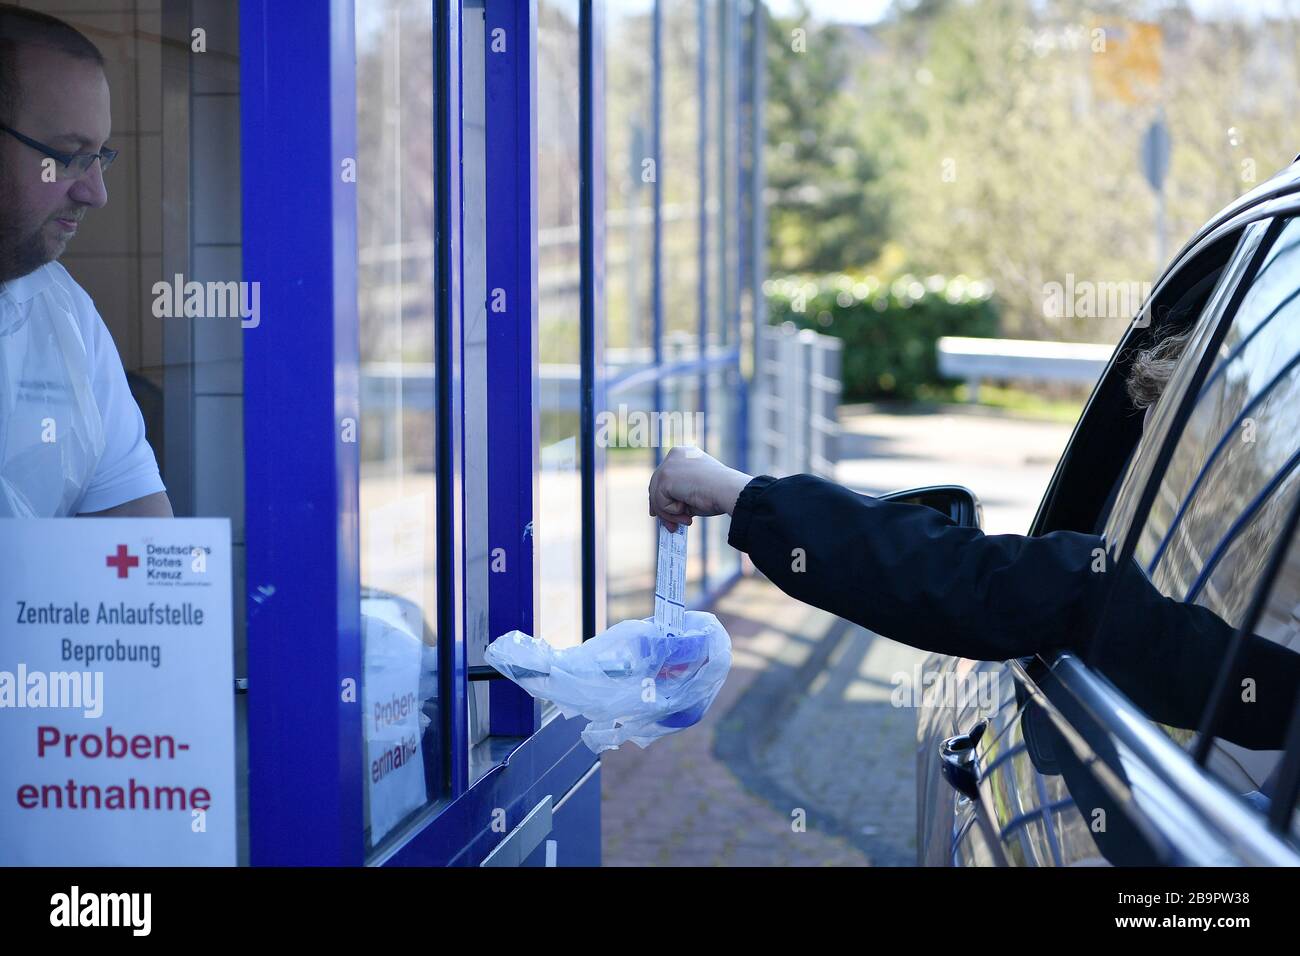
69,165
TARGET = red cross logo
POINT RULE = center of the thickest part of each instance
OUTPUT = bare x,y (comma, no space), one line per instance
122,561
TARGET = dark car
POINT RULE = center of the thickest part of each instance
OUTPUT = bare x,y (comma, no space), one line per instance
1044,761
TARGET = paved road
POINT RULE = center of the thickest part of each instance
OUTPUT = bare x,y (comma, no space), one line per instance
1006,461
803,759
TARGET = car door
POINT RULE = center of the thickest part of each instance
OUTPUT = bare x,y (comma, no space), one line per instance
1227,477
1198,509
1040,799
1026,814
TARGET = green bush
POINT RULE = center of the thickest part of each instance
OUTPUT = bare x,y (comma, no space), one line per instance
889,329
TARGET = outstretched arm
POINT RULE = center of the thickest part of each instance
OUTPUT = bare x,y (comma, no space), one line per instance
909,573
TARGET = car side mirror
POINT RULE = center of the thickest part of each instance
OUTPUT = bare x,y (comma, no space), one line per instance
958,503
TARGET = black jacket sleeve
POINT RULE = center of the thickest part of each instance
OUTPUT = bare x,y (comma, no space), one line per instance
909,573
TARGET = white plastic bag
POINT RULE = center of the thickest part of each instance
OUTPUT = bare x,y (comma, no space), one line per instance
632,682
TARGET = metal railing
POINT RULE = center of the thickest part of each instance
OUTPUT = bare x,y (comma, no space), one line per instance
796,397
976,360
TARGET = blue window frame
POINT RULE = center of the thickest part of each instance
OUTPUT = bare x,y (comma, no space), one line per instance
305,530
304,737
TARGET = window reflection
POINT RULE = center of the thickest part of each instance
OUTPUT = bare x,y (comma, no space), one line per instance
1228,488
724,440
630,175
681,176
631,537
557,524
1235,454
395,266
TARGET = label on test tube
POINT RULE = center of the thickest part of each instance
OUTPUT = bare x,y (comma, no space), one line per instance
670,580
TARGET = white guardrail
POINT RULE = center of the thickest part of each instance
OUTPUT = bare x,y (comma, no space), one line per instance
795,405
976,360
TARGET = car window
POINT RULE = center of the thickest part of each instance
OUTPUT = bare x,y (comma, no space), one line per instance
1231,481
1082,494
1177,307
1280,621
1233,470
1142,463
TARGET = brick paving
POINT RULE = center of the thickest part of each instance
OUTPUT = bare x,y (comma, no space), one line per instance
678,803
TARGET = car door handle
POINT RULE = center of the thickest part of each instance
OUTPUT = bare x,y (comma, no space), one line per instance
957,761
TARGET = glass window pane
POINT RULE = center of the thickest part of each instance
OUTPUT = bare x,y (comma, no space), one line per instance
557,525
722,246
167,213
629,187
682,424
723,442
395,278
631,169
1238,439
681,176
632,538
1232,479
1280,622
1121,517
484,749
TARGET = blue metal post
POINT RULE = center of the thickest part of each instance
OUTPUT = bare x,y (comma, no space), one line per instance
300,405
657,233
591,81
758,214
702,155
450,450
513,457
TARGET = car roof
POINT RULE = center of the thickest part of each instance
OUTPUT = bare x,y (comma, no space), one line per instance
1283,183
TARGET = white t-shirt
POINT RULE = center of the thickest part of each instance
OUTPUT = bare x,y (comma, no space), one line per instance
127,470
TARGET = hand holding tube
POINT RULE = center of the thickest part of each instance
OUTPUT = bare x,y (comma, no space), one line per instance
689,483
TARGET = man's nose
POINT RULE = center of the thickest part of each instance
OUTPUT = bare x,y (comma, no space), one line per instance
90,190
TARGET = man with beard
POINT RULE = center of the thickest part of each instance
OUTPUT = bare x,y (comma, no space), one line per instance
72,439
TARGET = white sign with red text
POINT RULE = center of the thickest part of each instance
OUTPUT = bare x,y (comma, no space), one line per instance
117,718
